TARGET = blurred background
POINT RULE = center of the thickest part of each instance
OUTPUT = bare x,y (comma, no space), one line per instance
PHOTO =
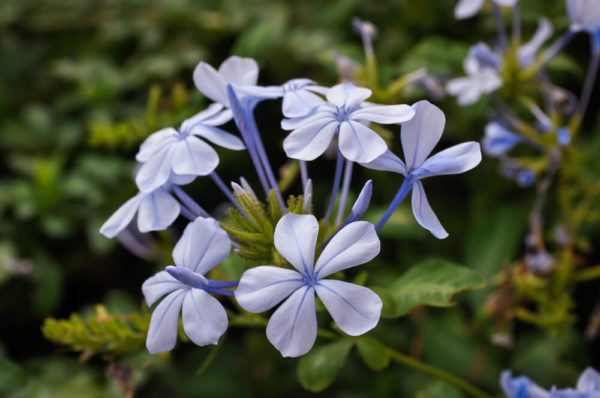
82,83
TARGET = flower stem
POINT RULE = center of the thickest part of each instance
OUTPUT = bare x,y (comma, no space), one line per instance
345,189
400,195
516,24
438,373
215,177
336,184
551,52
502,39
586,92
303,173
189,203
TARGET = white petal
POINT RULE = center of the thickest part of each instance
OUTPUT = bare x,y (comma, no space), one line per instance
506,3
162,333
347,94
157,211
359,143
295,239
323,113
292,328
528,50
387,162
203,245
454,160
204,318
356,243
310,140
219,137
361,204
122,217
423,212
467,8
219,118
355,309
420,134
261,288
155,143
200,117
385,114
158,285
192,156
299,103
156,171
240,71
210,83
589,381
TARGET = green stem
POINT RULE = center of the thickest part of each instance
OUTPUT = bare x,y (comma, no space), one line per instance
438,373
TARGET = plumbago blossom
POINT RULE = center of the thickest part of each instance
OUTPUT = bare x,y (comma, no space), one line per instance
584,15
468,8
483,66
588,386
419,136
343,114
292,328
203,246
499,140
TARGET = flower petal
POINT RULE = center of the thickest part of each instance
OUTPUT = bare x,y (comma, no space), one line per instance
310,140
528,51
356,243
467,8
420,134
162,333
158,285
347,94
201,117
157,211
155,143
423,212
156,171
204,318
355,309
506,3
361,204
387,162
240,71
292,328
261,288
454,160
203,245
517,387
219,137
589,381
299,103
192,156
122,217
385,114
210,83
322,113
295,239
498,140
359,143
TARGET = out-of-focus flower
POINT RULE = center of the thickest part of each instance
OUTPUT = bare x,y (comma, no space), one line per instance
498,140
527,52
203,245
343,114
584,15
292,328
468,8
520,387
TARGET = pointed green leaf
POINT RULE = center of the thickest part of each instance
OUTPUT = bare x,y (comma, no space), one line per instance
432,282
374,354
319,368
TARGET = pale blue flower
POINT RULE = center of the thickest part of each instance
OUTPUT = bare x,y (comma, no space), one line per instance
584,15
564,136
234,70
482,66
175,152
203,245
419,136
292,328
588,386
155,211
343,114
468,8
520,387
498,140
527,52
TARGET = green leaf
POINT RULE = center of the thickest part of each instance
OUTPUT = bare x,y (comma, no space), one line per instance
319,368
390,307
374,354
432,282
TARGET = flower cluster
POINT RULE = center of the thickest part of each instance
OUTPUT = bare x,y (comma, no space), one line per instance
588,386
337,119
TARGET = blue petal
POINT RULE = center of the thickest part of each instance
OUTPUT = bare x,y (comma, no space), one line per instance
204,318
309,141
156,171
454,160
192,156
385,114
498,140
388,162
219,137
359,143
420,134
347,95
362,202
520,387
467,8
162,333
122,217
589,381
203,245
528,51
157,211
423,212
263,287
296,238
292,328
158,285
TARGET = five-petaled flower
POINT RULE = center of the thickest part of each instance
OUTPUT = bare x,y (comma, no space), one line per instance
204,244
419,136
343,114
292,328
178,152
